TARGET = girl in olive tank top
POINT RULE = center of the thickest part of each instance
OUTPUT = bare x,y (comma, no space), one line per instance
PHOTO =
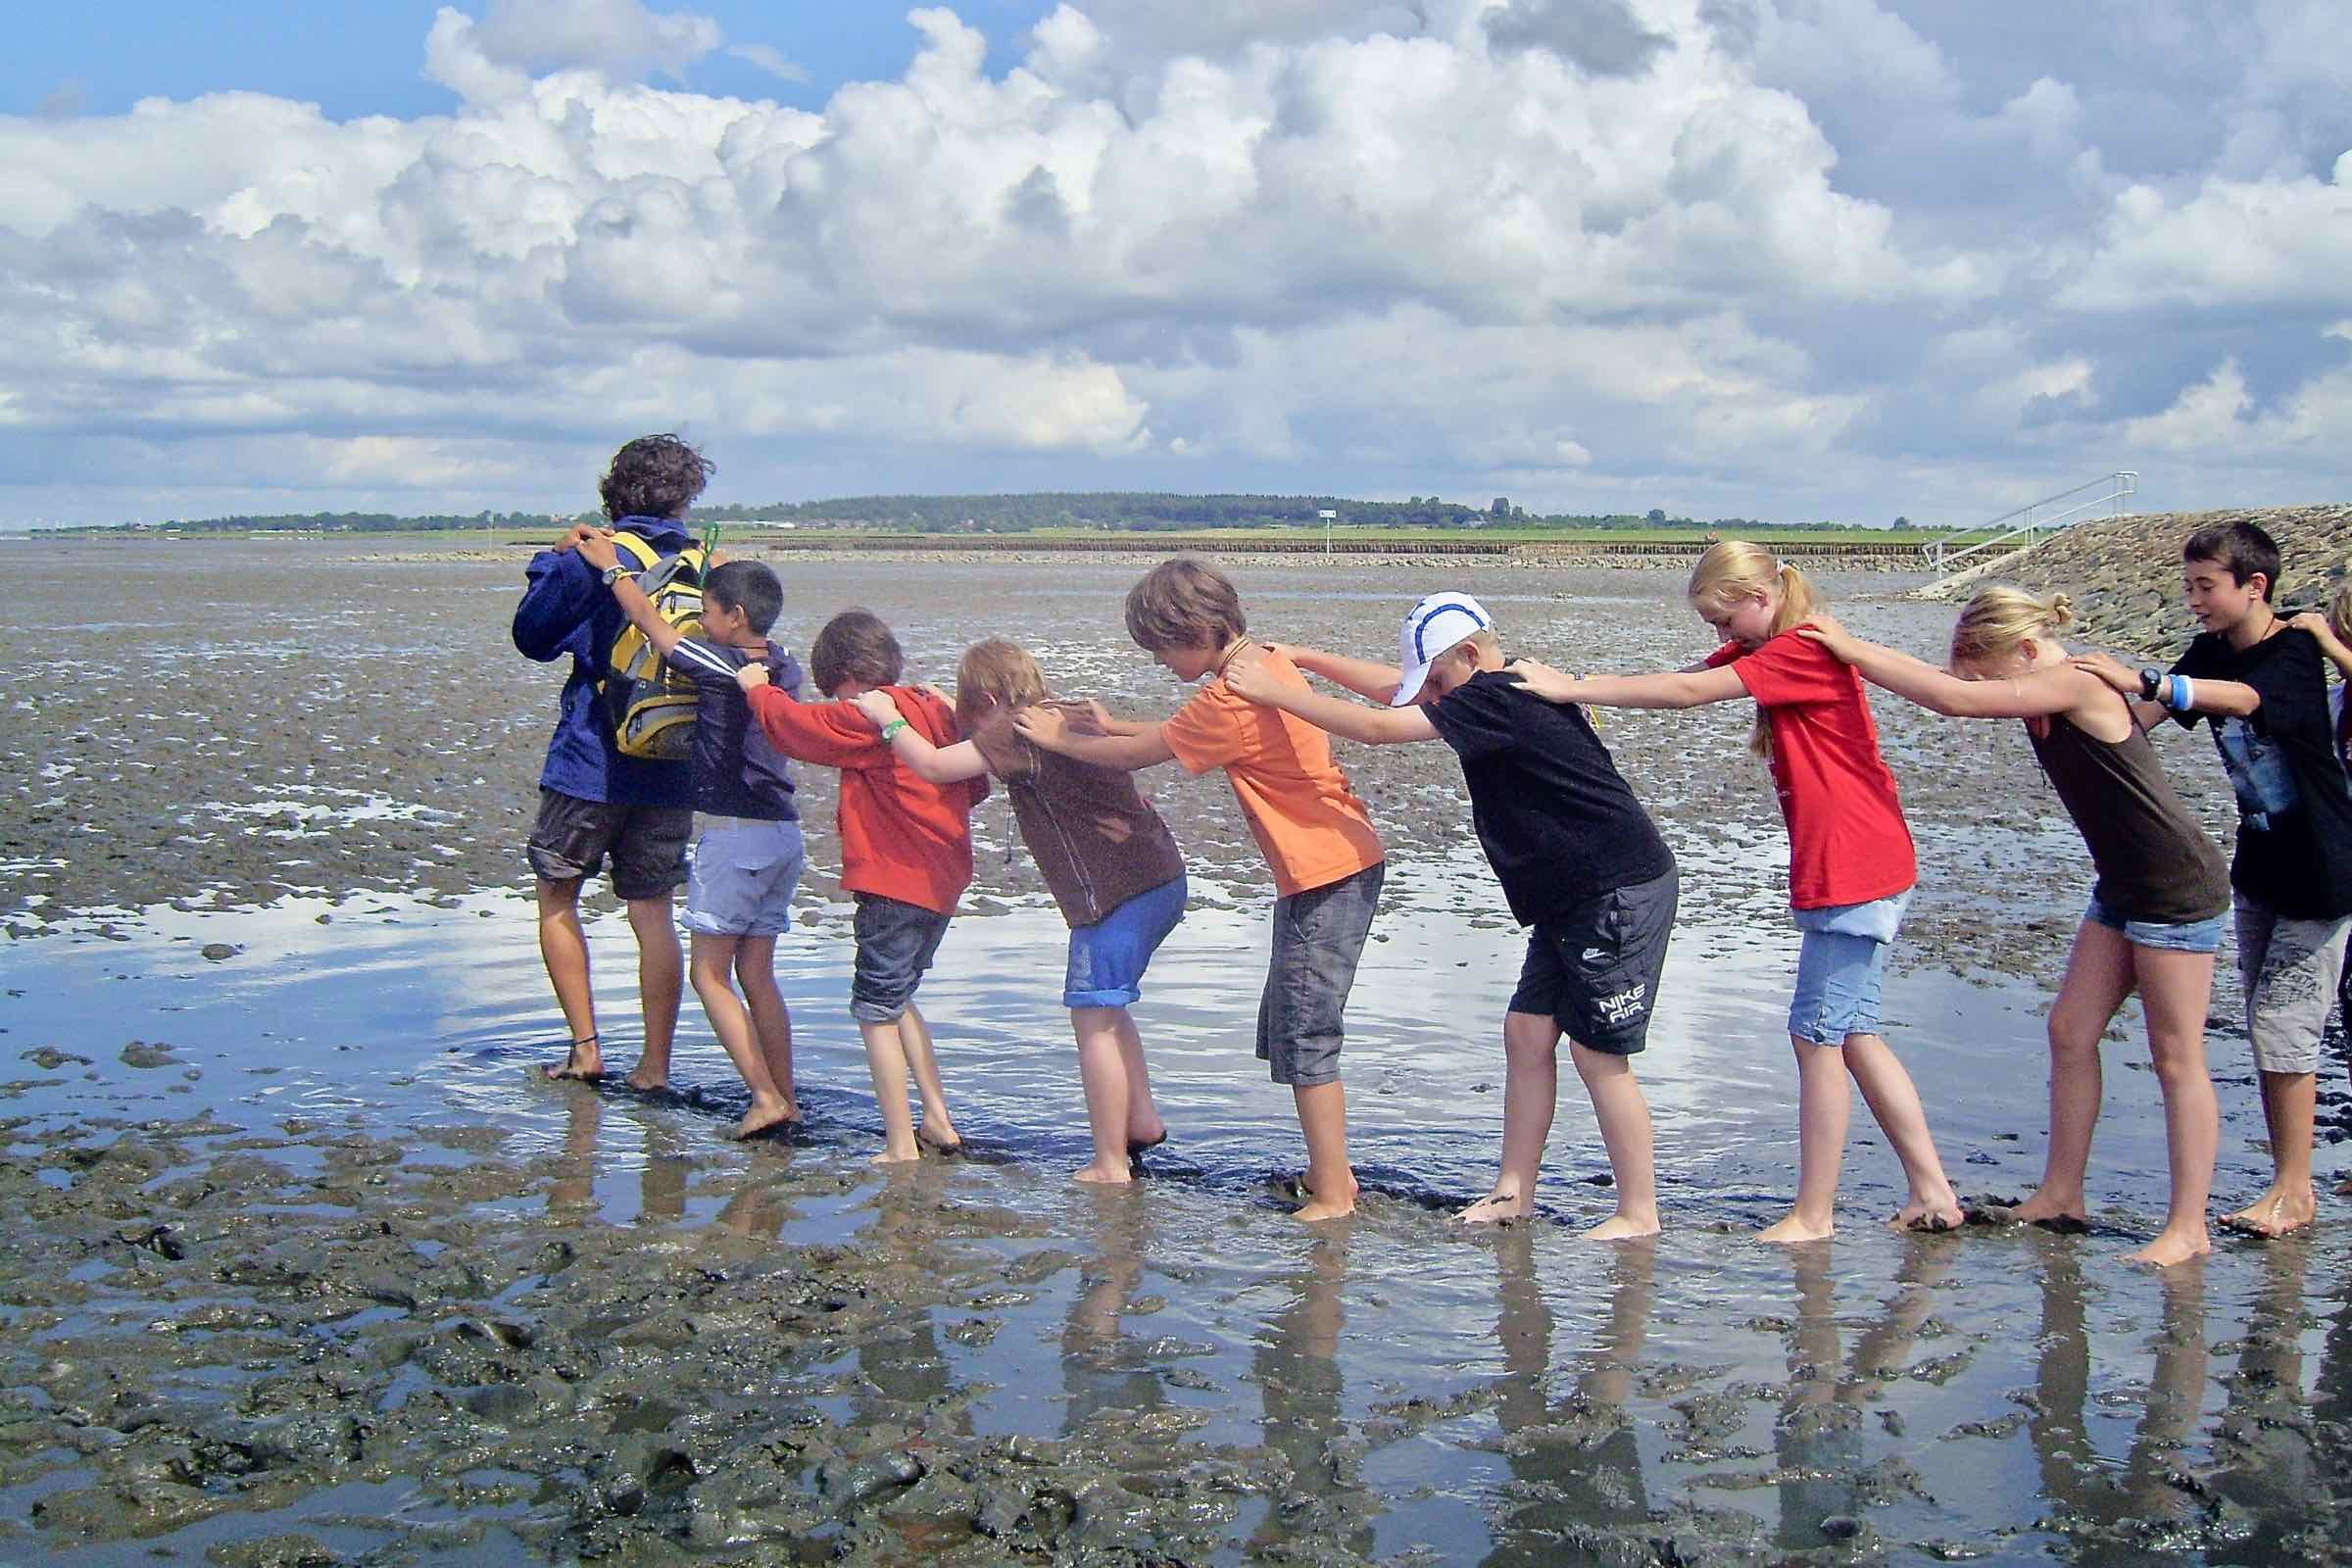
2155,912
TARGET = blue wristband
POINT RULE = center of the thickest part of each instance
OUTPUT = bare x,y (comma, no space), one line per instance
2178,693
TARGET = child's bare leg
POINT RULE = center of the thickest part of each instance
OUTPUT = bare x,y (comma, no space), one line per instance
1102,1073
1823,1106
713,961
2289,1104
661,980
771,1020
2099,975
1330,1179
2174,989
1887,1090
1530,1087
564,949
937,1128
1623,1112
886,1061
1145,1124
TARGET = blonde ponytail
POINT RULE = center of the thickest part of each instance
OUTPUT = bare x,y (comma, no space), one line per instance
1997,619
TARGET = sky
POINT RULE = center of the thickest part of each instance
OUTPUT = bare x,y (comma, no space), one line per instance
1790,259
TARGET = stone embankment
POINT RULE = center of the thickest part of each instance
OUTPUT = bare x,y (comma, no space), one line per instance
2125,573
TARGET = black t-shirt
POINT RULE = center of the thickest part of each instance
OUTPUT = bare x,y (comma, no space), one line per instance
1557,822
736,773
2294,811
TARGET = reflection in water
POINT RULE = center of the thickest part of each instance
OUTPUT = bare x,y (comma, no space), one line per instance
1295,1362
1818,1439
903,1372
666,1169
2093,1495
1577,1465
1102,1369
2271,1444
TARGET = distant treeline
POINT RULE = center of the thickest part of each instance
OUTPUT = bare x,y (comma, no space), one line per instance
334,521
1139,510
1146,510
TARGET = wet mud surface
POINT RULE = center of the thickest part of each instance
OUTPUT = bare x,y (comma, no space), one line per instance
304,1267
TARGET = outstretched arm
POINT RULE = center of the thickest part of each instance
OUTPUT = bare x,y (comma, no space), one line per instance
940,764
2228,698
2033,696
1682,688
1255,680
1142,746
1361,676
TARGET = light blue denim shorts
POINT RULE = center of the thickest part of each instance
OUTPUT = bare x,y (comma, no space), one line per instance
1107,959
2190,936
743,876
1840,967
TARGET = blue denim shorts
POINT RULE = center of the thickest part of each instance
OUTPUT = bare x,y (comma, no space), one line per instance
1839,968
1107,959
743,876
2190,936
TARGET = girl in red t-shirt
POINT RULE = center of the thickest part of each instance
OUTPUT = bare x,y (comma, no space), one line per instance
1850,862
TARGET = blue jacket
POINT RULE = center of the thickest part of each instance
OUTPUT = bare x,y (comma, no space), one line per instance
567,609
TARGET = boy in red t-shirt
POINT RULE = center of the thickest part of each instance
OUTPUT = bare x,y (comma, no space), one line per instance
1851,863
1317,838
906,854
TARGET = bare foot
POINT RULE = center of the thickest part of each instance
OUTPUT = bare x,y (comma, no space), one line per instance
1497,1208
2167,1249
1323,1208
1622,1228
583,1063
1792,1231
1105,1175
948,1143
647,1082
892,1157
1139,1142
773,1117
2275,1213
1936,1219
2052,1212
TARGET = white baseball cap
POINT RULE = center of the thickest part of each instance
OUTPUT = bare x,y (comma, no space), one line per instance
1434,624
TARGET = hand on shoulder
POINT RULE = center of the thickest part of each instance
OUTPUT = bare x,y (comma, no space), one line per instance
1552,685
2109,668
1250,675
876,706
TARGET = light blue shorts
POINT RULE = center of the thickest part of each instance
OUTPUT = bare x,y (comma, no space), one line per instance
2190,936
743,876
1107,959
1839,968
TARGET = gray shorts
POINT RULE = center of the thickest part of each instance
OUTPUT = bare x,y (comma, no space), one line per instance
896,943
1318,936
2289,969
646,844
745,872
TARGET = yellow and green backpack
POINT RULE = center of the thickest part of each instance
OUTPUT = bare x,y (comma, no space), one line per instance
650,705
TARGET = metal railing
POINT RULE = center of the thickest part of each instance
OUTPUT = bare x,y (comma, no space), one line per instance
2021,529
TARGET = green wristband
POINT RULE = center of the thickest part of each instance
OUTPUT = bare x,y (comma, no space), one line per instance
893,727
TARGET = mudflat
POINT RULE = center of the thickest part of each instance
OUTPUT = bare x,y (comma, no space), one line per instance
307,1267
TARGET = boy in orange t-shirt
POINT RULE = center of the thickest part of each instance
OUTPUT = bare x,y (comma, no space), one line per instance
1315,834
906,854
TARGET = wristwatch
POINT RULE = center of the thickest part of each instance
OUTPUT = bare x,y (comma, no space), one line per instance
2149,680
620,569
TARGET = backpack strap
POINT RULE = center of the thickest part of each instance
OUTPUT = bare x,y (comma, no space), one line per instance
636,549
